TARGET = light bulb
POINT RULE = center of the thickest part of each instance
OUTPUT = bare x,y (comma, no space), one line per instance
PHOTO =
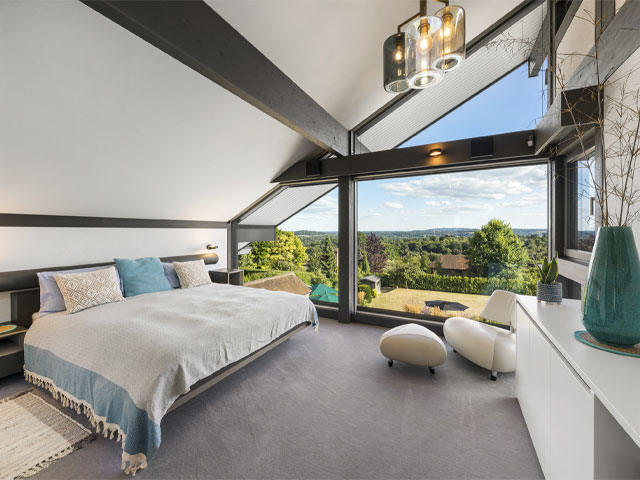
398,55
425,42
447,30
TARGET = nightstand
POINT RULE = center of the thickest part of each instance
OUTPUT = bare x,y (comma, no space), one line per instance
226,275
12,351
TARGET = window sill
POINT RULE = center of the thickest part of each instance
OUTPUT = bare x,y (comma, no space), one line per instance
571,269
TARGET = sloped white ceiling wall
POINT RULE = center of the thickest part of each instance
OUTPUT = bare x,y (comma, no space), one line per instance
333,49
95,121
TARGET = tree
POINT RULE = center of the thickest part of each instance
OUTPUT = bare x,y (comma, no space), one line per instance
376,253
403,272
328,262
363,259
495,250
286,252
314,261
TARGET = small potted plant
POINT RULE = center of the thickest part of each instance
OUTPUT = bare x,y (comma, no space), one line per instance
549,290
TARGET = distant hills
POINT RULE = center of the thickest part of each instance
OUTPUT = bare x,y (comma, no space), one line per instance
432,232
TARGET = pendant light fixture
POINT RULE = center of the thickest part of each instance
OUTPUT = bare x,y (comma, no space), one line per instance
424,48
420,51
450,47
395,65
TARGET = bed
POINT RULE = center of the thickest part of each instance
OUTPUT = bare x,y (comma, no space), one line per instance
126,364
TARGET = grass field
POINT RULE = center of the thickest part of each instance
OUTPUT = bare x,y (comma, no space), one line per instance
397,298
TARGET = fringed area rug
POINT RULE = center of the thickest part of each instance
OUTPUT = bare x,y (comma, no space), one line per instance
34,434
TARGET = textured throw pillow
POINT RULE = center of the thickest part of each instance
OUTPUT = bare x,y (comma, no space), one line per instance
144,275
89,289
192,274
51,300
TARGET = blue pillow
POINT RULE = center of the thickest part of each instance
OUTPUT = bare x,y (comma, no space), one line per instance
51,300
171,274
144,275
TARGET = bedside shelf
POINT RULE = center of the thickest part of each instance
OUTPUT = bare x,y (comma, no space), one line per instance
228,276
12,351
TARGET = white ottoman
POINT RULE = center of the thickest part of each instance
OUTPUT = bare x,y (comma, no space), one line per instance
413,344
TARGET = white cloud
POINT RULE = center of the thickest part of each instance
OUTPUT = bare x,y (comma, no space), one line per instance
392,205
487,185
433,203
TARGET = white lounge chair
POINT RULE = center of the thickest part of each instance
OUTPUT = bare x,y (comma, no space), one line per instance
486,345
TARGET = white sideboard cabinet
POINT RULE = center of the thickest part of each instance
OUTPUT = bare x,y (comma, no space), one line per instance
581,405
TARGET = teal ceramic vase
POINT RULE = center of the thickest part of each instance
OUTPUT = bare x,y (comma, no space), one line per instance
611,296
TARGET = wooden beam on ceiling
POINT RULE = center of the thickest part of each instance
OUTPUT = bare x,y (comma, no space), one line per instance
192,33
618,42
457,153
558,127
565,10
540,49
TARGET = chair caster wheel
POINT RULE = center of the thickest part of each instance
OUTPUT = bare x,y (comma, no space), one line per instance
494,376
390,363
432,370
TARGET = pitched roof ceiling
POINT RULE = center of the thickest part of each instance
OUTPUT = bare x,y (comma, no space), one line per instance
125,130
333,49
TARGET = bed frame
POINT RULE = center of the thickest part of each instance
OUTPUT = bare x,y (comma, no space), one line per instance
24,303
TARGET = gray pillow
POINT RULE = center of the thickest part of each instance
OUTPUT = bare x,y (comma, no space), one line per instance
171,274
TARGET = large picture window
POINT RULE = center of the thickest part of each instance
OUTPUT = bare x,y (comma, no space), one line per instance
438,245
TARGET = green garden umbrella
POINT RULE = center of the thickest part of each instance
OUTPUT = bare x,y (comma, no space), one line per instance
323,293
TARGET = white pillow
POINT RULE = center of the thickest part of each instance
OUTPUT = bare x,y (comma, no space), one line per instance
192,274
89,289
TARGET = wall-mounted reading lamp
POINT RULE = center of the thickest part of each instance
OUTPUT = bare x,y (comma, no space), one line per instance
211,246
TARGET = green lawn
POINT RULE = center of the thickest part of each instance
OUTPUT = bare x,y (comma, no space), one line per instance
397,298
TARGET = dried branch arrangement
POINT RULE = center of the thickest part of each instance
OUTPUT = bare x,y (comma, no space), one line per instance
616,124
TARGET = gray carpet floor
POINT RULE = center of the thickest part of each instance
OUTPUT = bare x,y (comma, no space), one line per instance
327,405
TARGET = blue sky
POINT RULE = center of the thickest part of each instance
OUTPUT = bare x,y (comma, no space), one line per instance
463,199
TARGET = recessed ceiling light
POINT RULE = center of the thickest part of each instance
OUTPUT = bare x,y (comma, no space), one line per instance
436,152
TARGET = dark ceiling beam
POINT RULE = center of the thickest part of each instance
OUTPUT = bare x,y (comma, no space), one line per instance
540,49
479,42
192,33
558,127
618,42
565,10
457,153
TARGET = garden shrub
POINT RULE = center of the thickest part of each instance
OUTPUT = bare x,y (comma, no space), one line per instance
361,298
412,308
367,292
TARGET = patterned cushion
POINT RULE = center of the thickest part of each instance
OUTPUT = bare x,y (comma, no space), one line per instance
89,289
192,274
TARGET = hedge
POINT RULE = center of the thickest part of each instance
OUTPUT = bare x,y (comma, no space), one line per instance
472,285
308,278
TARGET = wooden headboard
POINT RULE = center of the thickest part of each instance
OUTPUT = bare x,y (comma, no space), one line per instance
26,300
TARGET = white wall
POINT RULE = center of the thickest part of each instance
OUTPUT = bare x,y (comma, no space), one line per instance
31,248
95,121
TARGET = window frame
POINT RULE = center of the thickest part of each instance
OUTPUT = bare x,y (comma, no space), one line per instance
434,320
570,251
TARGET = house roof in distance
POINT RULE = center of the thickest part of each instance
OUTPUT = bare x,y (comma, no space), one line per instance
451,262
370,278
